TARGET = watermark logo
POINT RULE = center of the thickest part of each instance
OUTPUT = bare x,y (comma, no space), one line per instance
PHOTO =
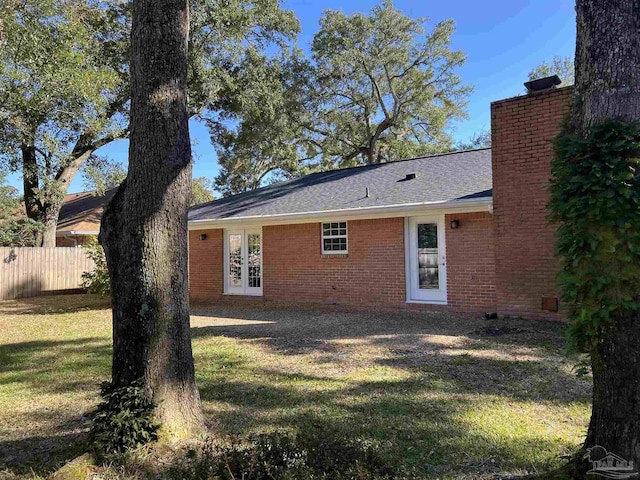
609,465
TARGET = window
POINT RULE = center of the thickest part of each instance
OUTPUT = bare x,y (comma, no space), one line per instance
334,238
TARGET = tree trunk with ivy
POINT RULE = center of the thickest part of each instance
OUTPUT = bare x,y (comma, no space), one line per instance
608,88
144,228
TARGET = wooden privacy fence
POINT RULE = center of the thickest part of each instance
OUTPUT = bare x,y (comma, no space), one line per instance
32,271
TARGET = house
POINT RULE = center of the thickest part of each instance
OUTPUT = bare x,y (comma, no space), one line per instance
462,231
80,216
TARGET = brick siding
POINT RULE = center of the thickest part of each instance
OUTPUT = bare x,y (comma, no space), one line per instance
371,273
522,130
471,279
206,267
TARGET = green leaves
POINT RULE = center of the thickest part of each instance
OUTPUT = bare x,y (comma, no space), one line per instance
96,280
201,191
57,77
595,195
261,130
123,420
15,231
64,79
384,86
377,87
102,173
561,66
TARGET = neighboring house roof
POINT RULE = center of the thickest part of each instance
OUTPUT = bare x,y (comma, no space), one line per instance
439,179
81,212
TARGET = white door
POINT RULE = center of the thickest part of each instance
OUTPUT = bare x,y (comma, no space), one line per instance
243,262
427,261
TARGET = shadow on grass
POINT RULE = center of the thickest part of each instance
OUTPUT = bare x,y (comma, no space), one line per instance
527,363
427,417
420,424
454,365
54,304
48,432
295,331
42,454
55,366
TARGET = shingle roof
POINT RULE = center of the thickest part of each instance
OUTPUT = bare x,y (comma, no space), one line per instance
82,211
439,178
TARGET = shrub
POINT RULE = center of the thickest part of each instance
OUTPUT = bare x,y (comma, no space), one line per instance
123,420
97,280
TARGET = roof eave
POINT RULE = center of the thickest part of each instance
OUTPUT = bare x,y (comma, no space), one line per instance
387,211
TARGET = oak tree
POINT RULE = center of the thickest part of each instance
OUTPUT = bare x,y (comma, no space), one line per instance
378,86
144,227
386,87
64,80
15,229
595,201
201,191
608,88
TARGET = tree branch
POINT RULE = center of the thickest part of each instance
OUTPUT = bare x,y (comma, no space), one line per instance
376,88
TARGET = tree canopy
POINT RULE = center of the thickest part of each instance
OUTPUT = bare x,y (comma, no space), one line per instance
63,77
64,73
480,139
561,66
15,229
201,191
385,86
378,86
263,133
101,173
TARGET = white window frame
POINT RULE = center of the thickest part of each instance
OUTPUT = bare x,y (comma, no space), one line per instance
414,294
323,237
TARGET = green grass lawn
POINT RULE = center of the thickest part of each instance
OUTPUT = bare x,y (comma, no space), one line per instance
452,396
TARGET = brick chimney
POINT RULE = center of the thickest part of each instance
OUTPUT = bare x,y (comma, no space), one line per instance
522,129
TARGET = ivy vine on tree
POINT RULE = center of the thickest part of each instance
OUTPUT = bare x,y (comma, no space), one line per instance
595,200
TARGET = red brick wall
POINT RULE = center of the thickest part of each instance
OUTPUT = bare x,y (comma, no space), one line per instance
371,273
471,275
522,129
206,267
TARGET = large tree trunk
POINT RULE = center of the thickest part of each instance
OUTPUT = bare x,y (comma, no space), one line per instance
144,228
608,87
49,219
30,182
45,206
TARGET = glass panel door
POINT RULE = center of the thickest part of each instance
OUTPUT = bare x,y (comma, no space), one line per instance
254,262
235,262
428,263
426,260
243,262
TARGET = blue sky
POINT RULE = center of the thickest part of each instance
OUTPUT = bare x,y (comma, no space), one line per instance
503,41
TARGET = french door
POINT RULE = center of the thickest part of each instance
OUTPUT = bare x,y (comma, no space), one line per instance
243,262
426,259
